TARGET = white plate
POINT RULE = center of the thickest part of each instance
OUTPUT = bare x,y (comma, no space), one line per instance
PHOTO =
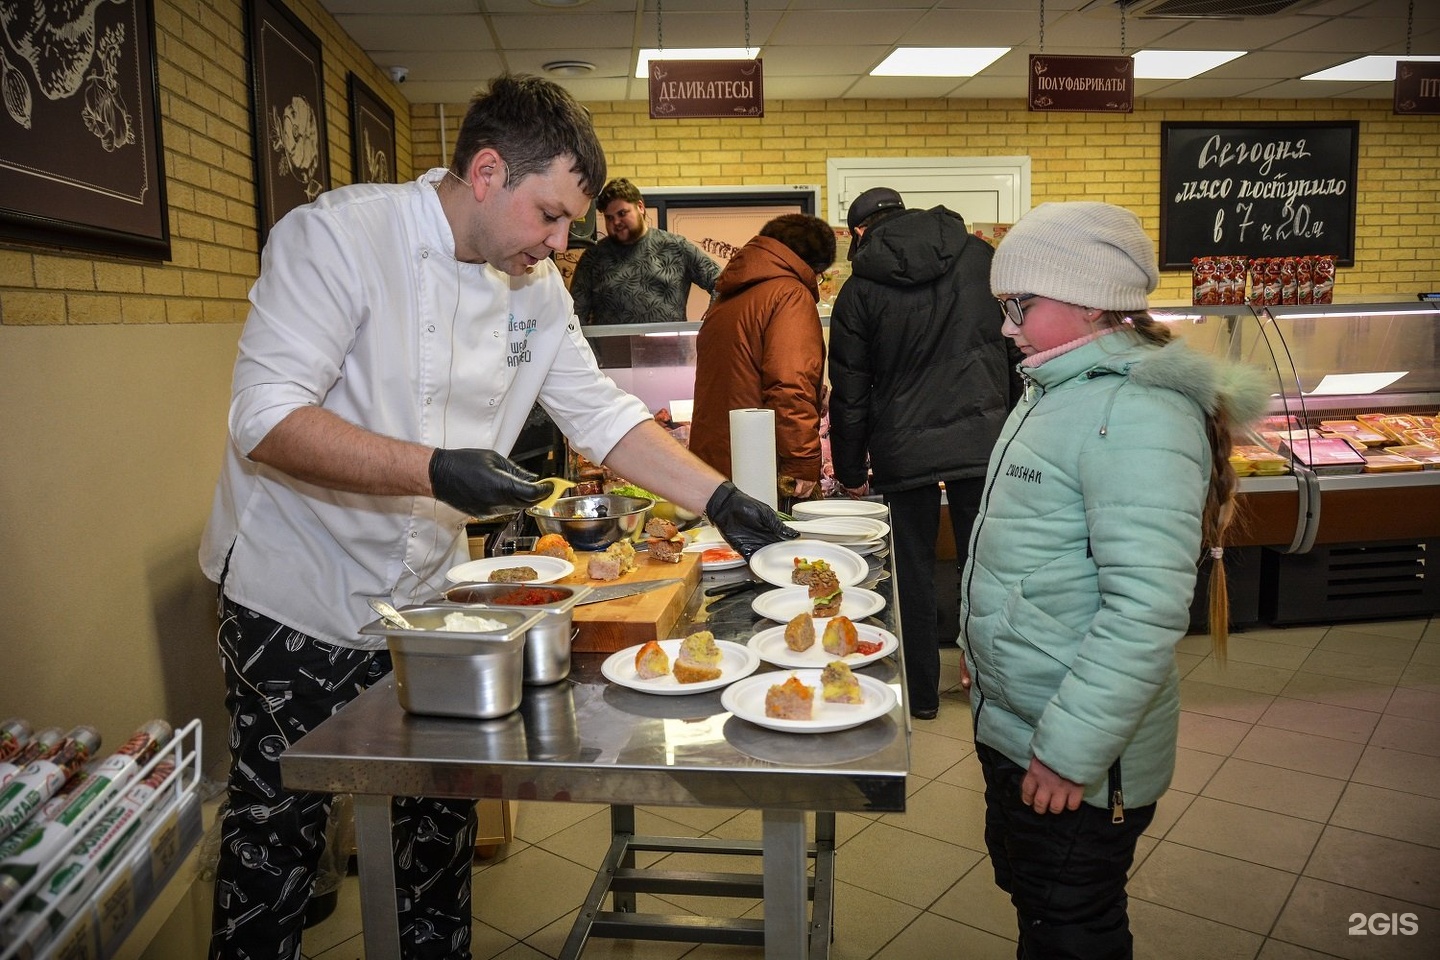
770,645
746,700
736,661
774,563
867,548
549,569
782,605
846,530
700,548
812,509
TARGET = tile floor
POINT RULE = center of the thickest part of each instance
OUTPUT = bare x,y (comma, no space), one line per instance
1305,810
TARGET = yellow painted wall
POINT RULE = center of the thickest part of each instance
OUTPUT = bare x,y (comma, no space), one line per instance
1114,158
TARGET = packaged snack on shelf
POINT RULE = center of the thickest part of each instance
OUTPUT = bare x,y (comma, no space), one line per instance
1324,278
1204,285
1305,273
1271,296
1289,281
1256,295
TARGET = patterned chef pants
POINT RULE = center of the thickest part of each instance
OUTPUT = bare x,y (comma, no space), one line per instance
279,685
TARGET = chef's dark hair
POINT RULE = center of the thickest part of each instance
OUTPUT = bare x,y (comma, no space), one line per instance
812,239
530,121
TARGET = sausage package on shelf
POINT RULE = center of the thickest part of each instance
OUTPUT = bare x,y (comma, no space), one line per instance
80,881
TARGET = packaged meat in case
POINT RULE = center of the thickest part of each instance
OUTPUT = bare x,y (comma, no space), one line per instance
1324,279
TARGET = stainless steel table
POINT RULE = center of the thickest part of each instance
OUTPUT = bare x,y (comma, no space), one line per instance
589,741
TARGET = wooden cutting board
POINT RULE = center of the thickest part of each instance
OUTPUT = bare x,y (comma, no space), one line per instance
627,621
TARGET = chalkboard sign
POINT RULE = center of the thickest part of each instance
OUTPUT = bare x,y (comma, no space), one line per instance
1257,190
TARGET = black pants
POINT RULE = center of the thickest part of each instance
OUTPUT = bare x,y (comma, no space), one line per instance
279,685
915,523
1065,872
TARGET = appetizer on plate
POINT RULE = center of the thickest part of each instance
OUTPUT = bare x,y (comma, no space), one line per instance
826,597
839,685
841,638
791,700
651,661
699,658
807,570
800,633
515,574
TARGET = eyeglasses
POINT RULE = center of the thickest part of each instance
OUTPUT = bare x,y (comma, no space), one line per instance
1014,308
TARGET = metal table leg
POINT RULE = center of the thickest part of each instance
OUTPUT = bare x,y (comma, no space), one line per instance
378,914
783,833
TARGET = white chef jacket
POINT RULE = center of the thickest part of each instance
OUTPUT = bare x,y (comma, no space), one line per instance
362,309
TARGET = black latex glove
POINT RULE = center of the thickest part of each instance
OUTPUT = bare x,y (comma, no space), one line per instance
744,522
482,482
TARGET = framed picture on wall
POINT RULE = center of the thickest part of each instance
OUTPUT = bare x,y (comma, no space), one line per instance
372,135
80,152
287,99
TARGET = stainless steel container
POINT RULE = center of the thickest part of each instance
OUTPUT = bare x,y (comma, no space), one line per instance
593,522
448,673
547,643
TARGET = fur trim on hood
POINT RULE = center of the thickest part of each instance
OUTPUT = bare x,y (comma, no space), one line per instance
1242,391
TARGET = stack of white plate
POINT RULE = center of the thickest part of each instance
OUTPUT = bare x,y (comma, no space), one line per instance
862,534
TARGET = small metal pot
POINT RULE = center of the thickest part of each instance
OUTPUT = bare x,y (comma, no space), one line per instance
547,642
449,673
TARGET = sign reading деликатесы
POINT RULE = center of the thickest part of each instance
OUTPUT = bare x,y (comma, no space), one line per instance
706,88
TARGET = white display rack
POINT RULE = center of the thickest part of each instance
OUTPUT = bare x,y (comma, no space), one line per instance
90,915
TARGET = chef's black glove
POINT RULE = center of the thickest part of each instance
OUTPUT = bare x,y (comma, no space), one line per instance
744,522
480,482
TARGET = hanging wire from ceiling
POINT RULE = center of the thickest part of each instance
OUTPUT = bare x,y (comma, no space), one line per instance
1042,26
1122,31
660,25
747,25
1409,26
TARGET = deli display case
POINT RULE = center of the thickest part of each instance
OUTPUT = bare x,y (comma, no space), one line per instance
1346,527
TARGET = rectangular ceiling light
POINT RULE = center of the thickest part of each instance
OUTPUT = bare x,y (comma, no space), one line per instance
1364,68
938,61
1180,64
642,66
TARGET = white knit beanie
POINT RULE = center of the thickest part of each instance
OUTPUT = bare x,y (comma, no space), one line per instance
1089,254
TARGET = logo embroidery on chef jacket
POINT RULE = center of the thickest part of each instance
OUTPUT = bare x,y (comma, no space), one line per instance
520,349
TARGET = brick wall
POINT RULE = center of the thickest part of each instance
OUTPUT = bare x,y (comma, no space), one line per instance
1074,157
209,167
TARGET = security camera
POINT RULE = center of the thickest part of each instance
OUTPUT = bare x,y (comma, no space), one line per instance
399,74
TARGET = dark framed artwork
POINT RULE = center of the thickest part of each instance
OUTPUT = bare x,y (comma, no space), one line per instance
80,149
372,135
287,101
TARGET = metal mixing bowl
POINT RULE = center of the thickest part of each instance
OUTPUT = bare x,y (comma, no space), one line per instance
593,522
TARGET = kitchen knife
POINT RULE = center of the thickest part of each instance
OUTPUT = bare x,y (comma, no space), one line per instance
617,590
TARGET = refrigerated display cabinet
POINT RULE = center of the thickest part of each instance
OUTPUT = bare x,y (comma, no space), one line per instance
1352,545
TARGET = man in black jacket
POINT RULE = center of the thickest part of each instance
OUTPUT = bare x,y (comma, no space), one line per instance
922,381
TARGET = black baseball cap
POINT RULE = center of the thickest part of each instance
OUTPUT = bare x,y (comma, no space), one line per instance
871,202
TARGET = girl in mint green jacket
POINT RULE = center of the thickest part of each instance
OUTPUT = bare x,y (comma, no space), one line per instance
1109,482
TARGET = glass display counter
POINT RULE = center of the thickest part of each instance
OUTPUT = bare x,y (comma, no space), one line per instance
1353,522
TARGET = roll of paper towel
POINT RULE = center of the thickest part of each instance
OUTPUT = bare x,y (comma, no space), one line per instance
752,454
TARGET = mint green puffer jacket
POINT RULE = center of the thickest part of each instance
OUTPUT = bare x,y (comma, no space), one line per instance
1083,560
